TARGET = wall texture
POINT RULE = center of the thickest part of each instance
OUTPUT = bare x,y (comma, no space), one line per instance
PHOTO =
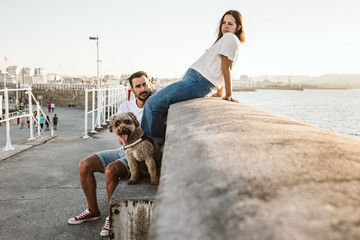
61,98
231,171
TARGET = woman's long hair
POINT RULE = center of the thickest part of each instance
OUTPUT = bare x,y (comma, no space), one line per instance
238,19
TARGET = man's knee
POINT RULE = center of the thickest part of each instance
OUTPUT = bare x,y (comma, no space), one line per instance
84,165
90,164
111,170
114,170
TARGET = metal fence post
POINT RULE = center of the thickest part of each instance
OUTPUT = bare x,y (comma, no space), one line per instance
109,102
99,105
103,106
8,145
86,113
93,112
31,115
38,118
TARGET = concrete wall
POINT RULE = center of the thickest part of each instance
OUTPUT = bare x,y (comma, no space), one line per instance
130,219
62,98
231,171
131,210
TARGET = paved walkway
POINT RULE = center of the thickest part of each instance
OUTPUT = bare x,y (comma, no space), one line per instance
40,186
71,124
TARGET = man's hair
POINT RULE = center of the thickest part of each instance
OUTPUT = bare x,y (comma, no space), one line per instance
137,75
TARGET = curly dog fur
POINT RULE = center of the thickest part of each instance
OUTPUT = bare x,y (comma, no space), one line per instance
144,158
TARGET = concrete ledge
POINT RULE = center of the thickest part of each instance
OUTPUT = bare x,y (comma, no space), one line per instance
131,210
231,171
130,219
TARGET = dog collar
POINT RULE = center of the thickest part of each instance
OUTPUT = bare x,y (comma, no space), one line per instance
142,138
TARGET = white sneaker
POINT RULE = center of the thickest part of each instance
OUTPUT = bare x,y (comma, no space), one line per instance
105,230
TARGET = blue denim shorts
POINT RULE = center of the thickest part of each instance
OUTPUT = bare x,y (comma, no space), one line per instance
110,156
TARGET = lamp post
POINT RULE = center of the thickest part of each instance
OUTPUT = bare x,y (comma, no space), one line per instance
98,80
97,59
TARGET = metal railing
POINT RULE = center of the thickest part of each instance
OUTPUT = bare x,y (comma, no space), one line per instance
54,86
108,102
28,113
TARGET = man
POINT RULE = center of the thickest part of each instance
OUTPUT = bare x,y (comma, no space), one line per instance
55,120
112,162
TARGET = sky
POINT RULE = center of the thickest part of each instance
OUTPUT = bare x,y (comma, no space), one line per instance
164,37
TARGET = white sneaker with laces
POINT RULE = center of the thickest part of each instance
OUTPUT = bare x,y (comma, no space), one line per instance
105,230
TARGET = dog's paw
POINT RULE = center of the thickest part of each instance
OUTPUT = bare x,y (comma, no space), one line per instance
131,182
155,182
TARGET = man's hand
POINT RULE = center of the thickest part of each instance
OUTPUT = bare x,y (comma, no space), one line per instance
120,141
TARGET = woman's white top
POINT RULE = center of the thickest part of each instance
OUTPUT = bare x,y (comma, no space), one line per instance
209,64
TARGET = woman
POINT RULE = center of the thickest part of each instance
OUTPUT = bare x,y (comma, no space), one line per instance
41,121
47,123
22,120
211,71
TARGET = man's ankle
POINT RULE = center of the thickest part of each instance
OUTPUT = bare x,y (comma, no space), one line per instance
97,210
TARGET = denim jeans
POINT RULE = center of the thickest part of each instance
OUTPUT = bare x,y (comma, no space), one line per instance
193,85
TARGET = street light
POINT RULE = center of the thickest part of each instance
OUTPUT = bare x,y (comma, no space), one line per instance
98,80
97,61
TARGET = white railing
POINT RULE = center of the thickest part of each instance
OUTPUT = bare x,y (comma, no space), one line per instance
108,102
28,113
54,86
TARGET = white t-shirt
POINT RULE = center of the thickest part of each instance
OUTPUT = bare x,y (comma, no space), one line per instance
130,106
209,64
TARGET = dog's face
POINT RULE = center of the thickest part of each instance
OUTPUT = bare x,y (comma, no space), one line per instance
123,125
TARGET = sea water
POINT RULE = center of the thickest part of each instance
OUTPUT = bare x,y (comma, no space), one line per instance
335,110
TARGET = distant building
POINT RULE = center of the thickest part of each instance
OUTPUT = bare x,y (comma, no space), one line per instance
39,76
38,71
243,82
124,77
244,77
26,71
25,76
54,78
5,77
86,81
110,80
12,70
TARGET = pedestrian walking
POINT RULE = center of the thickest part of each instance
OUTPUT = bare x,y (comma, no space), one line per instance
47,123
35,122
18,113
55,121
52,107
41,121
49,107
22,120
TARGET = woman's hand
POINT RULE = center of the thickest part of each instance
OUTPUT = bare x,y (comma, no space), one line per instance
120,141
219,92
226,66
230,98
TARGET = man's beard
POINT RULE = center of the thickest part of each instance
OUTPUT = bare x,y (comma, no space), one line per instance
143,97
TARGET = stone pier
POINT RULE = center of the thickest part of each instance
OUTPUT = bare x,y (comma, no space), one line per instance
231,171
